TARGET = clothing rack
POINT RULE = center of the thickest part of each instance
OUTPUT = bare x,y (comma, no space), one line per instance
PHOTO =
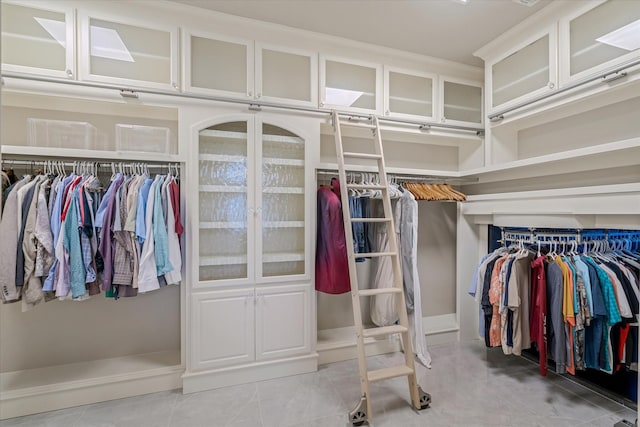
577,236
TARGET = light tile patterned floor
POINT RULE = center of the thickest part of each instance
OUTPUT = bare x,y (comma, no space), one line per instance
470,386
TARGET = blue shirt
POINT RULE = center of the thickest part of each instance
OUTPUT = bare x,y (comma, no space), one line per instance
143,195
160,235
99,219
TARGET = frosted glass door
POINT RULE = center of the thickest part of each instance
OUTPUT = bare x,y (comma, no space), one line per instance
351,86
604,35
223,202
288,75
223,66
461,102
409,94
36,40
522,73
283,202
119,52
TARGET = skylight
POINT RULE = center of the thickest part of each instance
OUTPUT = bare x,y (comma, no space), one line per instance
627,37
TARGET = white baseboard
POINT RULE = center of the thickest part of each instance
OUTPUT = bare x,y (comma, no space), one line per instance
199,381
339,344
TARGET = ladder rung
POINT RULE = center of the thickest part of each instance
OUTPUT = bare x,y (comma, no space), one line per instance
383,331
370,219
367,186
383,374
373,254
362,155
380,291
357,125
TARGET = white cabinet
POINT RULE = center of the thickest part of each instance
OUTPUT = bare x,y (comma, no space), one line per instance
38,40
409,94
253,203
598,36
527,70
349,85
238,327
223,328
226,66
282,321
120,50
461,102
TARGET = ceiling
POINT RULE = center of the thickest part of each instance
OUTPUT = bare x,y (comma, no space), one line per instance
448,29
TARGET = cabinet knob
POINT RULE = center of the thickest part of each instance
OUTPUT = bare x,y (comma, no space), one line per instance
174,85
249,93
322,104
69,73
551,85
387,112
442,120
258,95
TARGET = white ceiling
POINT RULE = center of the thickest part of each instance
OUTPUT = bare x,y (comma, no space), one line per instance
446,29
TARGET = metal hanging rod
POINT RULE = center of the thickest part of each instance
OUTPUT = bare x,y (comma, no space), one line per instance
38,163
606,77
423,178
253,105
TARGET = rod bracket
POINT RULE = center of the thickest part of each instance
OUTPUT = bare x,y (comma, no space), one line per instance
424,127
255,107
126,93
614,76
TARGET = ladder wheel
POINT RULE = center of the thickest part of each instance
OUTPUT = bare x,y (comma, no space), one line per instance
425,398
358,416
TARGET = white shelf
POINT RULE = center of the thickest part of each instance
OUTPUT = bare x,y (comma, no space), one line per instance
462,108
243,136
206,261
283,224
411,100
627,151
285,162
283,190
17,150
522,79
222,189
208,225
394,170
56,387
283,257
222,158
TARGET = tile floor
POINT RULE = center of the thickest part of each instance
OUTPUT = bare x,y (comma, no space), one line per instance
469,385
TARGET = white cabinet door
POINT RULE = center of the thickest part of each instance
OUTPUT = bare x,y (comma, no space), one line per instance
350,85
288,75
461,102
38,40
282,321
599,36
218,65
409,94
119,50
525,71
222,328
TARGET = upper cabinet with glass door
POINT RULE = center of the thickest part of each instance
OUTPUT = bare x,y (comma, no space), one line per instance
350,86
409,93
37,40
121,51
528,70
599,36
461,102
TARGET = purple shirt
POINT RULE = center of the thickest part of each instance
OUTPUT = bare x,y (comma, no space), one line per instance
105,245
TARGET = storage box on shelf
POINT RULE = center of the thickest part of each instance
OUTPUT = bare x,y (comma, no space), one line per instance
56,126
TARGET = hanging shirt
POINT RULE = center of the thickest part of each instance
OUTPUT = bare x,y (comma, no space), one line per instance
556,341
9,233
538,314
332,266
147,277
141,212
175,256
161,239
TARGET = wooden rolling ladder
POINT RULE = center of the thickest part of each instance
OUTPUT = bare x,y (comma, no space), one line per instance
419,399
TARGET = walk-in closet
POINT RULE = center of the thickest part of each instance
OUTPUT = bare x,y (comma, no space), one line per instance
277,213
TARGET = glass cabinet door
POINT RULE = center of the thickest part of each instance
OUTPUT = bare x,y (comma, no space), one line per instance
525,72
223,202
289,75
218,65
117,52
37,40
350,86
602,37
461,101
408,93
283,202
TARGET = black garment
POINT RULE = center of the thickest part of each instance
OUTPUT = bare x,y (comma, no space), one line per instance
26,203
487,309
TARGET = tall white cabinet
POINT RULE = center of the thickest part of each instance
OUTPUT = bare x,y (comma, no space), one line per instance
249,305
